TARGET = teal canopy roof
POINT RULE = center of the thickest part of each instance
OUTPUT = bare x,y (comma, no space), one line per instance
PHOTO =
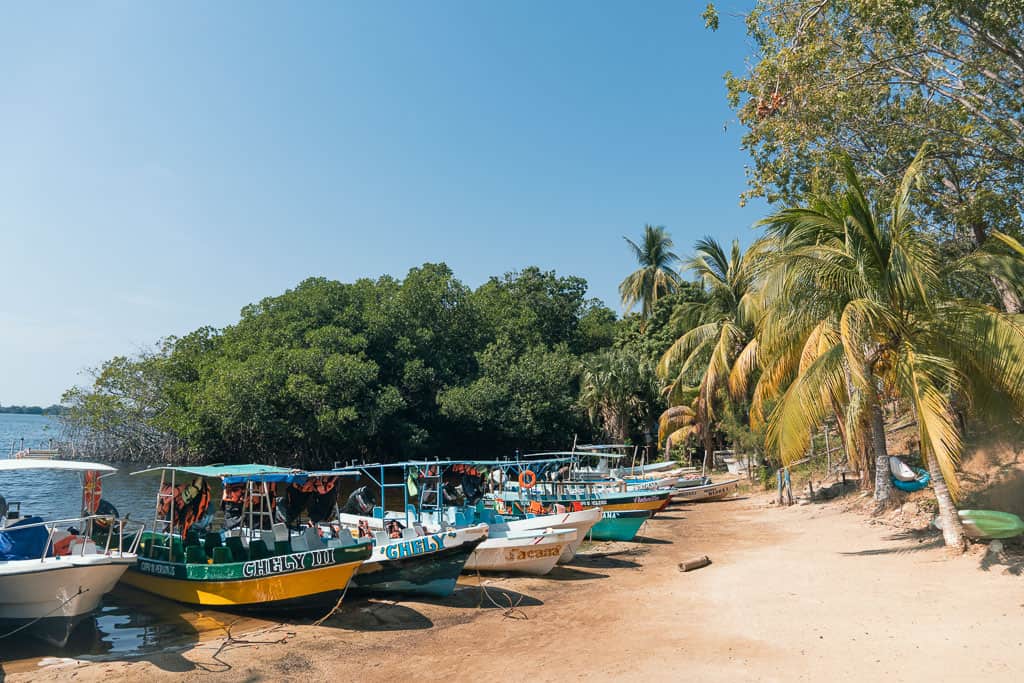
220,470
236,474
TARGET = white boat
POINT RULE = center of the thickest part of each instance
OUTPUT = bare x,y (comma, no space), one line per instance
582,521
50,577
528,548
526,552
711,491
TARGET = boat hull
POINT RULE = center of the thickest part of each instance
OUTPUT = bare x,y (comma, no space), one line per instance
653,501
582,521
50,602
619,525
308,580
699,494
536,555
404,567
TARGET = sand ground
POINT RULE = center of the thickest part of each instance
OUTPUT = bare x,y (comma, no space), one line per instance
802,593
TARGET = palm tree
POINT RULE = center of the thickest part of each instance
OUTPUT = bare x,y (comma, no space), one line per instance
655,277
615,386
719,349
868,313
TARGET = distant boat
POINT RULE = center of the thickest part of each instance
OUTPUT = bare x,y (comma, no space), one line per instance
37,454
706,492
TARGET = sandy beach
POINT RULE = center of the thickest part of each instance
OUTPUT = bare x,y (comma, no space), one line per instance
792,594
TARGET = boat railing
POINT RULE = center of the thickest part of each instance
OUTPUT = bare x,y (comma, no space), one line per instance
121,525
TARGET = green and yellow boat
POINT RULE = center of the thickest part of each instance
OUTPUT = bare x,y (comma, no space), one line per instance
254,562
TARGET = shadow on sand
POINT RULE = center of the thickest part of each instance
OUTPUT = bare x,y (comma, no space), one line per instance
648,540
619,559
371,615
566,573
916,540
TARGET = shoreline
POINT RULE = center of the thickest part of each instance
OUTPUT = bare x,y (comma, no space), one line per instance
791,593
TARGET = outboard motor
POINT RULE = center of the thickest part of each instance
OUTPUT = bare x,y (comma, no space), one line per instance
361,502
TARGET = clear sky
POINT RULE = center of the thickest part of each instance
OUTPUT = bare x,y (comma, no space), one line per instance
164,164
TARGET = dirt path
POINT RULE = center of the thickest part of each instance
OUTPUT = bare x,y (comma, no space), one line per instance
792,594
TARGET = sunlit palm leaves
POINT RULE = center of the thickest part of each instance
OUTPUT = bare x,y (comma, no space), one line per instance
718,352
656,276
869,306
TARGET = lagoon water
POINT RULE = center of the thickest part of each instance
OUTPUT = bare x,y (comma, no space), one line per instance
56,495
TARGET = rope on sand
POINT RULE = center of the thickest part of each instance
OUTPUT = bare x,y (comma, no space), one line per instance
513,610
230,641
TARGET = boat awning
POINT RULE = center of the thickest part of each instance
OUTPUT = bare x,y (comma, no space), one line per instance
220,470
237,474
17,464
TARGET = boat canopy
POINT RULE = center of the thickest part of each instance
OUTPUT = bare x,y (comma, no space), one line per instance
238,474
16,464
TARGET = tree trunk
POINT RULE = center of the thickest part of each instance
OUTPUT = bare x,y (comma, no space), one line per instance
883,485
952,530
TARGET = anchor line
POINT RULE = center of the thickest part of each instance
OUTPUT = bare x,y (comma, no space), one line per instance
511,612
60,606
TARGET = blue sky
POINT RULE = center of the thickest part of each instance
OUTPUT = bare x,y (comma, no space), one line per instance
162,165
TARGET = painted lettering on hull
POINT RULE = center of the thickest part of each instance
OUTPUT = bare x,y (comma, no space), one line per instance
283,564
155,568
417,546
516,555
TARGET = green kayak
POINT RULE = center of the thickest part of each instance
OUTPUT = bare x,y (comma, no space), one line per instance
991,524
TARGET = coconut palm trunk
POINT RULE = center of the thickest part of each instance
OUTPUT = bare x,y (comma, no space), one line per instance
952,529
883,484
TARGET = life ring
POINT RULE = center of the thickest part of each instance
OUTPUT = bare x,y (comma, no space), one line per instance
527,479
92,492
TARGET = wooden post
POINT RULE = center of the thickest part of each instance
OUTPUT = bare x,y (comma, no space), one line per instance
828,454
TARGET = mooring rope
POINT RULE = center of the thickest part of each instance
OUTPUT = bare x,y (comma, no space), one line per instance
60,606
337,606
513,611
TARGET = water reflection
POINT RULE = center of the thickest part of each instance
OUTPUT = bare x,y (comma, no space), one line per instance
130,623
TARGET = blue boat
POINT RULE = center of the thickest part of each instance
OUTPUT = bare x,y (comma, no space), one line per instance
619,525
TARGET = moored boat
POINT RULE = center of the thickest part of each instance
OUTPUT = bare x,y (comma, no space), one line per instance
619,525
706,492
423,565
52,574
582,521
257,566
526,552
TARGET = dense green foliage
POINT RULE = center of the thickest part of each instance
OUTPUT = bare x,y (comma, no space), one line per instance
875,80
380,369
